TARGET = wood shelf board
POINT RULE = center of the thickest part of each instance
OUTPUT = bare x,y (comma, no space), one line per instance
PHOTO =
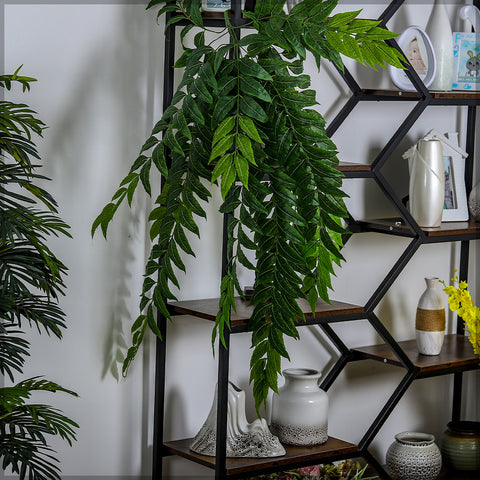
397,225
294,455
457,353
458,475
208,308
354,167
453,95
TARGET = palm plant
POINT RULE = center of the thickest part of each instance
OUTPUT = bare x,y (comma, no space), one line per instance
31,279
244,118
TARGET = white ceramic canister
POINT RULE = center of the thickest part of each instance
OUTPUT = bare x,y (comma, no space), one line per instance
414,456
427,183
300,410
440,32
430,319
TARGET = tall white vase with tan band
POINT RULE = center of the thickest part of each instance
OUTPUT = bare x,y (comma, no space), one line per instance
430,319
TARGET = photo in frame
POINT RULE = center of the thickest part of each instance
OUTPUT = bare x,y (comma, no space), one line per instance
455,207
418,50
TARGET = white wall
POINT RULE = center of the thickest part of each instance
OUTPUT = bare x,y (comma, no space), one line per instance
99,66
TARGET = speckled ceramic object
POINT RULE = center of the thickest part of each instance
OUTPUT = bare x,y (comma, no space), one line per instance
243,439
300,411
430,319
474,203
414,456
460,446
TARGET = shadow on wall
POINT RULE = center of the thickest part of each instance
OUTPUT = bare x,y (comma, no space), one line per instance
98,133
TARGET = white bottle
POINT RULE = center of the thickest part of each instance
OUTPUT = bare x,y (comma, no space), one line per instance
440,32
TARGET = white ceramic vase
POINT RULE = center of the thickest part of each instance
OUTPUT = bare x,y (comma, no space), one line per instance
440,32
430,319
300,410
414,456
427,183
243,439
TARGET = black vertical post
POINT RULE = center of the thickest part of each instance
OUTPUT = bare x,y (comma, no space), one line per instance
464,252
160,351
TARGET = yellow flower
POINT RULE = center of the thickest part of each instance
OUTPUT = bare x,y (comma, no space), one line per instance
460,301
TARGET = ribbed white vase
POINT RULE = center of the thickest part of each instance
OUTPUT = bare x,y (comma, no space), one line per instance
430,319
427,183
439,31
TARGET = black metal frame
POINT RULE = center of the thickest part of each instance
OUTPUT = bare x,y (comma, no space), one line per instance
423,99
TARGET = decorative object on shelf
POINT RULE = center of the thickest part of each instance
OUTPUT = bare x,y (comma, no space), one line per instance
440,32
300,409
249,116
418,50
460,446
466,52
216,5
427,182
414,456
243,439
474,203
460,301
455,208
430,319
290,4
346,469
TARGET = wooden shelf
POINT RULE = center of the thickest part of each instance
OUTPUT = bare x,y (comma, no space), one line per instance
208,308
455,96
294,456
445,231
458,475
456,355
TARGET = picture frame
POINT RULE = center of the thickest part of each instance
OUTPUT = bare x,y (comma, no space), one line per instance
216,5
466,61
455,207
418,49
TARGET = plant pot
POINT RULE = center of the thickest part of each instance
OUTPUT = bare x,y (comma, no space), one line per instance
414,456
460,446
300,410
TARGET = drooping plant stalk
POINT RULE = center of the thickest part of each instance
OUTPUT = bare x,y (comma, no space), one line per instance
247,123
31,280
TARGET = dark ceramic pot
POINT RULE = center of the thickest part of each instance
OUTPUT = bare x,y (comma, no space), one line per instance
460,446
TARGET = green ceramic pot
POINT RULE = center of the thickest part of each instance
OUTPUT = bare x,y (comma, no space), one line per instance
460,446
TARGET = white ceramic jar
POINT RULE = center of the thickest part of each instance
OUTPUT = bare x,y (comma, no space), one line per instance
300,411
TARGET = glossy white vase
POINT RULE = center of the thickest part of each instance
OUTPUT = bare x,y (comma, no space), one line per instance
430,319
439,31
427,183
300,410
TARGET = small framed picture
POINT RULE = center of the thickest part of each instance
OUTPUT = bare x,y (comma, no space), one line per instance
418,50
455,208
216,5
466,61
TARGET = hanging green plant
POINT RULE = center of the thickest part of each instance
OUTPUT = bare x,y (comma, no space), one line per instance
243,118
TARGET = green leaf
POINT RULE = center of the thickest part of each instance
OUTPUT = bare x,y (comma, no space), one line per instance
223,129
250,108
224,144
248,126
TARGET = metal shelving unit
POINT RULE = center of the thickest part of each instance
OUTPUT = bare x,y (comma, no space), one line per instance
457,355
